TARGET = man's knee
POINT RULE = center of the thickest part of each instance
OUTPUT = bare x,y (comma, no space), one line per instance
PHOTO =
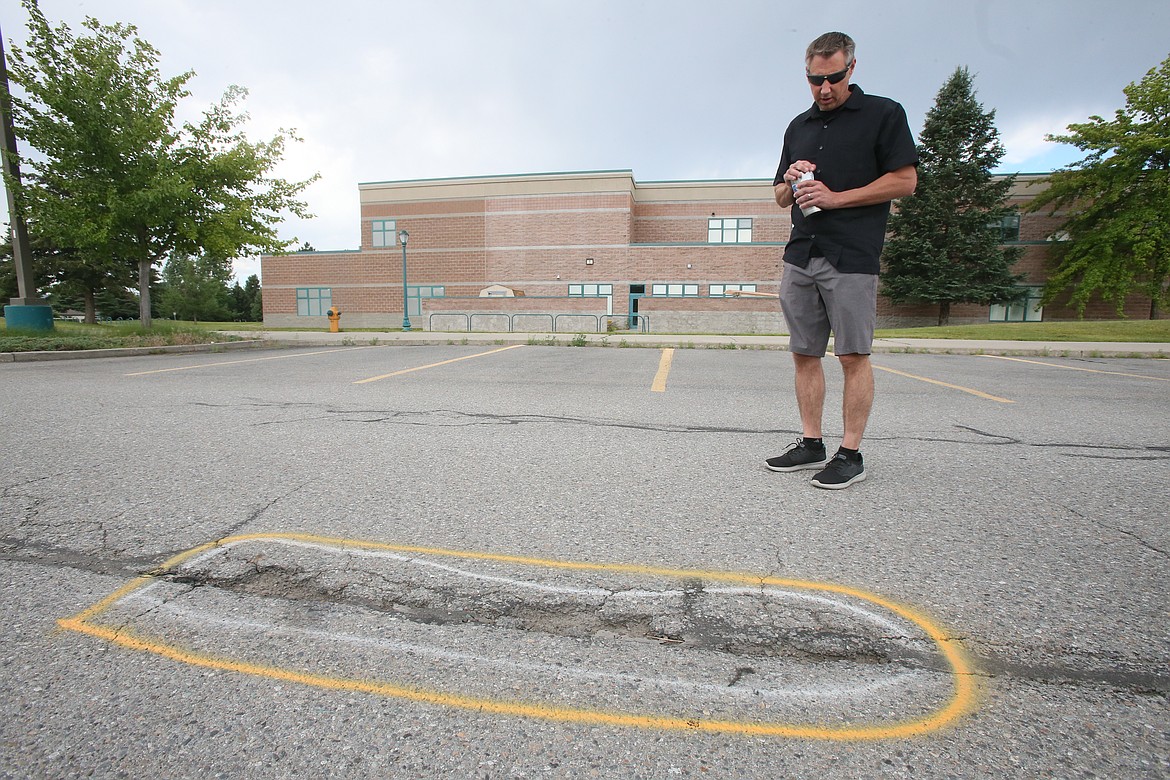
806,362
853,360
855,367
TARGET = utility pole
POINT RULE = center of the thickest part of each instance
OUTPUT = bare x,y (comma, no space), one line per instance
26,311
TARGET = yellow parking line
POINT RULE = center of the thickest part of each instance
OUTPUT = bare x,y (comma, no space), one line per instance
978,393
659,384
1078,368
234,362
434,365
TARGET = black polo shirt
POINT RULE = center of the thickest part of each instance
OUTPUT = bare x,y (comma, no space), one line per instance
866,137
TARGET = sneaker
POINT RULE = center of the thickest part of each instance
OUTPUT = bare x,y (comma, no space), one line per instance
799,456
840,473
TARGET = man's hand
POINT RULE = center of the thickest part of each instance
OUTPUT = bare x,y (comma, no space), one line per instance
814,193
783,191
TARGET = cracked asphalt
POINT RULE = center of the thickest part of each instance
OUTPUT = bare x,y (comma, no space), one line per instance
1020,505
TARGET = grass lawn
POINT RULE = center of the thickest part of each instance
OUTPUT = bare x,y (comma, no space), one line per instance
72,335
68,335
1156,331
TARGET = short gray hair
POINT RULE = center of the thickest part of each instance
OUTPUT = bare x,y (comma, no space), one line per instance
829,44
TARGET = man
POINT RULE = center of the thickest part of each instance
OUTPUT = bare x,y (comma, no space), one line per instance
862,155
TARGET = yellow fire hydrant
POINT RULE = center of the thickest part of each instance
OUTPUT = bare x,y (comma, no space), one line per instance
335,319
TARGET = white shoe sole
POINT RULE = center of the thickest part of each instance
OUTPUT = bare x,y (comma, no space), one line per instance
840,486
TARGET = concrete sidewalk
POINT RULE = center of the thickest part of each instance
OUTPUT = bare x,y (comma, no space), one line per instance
709,341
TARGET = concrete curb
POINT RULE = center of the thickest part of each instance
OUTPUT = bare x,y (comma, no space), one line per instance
81,354
255,339
652,341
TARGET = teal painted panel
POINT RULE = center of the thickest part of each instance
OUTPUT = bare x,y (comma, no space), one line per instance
28,317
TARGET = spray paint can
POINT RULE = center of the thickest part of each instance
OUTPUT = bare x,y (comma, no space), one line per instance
808,212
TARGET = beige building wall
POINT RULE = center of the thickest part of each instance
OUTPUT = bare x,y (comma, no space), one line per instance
545,235
561,240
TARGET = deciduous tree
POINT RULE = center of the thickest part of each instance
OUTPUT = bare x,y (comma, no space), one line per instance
195,288
114,177
1116,202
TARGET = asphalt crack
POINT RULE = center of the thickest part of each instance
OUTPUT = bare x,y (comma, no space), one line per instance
238,526
23,551
1134,535
452,418
1119,675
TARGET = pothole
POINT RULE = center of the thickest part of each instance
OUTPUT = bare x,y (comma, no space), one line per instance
549,638
738,621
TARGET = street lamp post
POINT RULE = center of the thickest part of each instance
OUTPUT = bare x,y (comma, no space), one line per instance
403,236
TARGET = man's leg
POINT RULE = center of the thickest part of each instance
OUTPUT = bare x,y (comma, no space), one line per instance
846,466
810,393
858,398
810,400
808,335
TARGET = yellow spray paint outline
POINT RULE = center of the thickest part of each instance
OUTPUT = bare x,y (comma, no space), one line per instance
962,701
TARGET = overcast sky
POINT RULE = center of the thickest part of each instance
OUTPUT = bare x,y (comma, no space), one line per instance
383,90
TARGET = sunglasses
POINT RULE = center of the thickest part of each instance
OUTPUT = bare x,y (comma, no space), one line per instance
832,78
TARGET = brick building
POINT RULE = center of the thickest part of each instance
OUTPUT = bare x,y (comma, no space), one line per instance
581,252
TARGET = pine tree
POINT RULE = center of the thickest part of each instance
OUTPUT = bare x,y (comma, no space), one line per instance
255,310
946,241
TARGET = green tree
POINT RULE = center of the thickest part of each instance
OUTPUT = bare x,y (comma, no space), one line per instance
946,244
117,303
67,280
1116,202
257,302
243,299
8,285
254,312
195,288
70,277
116,179
240,308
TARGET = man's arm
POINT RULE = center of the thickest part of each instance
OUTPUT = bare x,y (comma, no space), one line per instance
783,192
888,186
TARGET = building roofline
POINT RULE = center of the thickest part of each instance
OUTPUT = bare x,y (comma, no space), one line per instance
676,182
498,177
593,183
503,176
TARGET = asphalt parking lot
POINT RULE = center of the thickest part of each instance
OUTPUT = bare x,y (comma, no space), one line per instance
478,560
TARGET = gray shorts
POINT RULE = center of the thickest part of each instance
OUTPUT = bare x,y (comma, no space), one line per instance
820,299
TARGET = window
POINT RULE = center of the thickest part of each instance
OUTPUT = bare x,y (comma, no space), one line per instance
313,301
415,294
589,290
1026,309
1008,227
674,290
594,291
724,290
729,231
384,233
